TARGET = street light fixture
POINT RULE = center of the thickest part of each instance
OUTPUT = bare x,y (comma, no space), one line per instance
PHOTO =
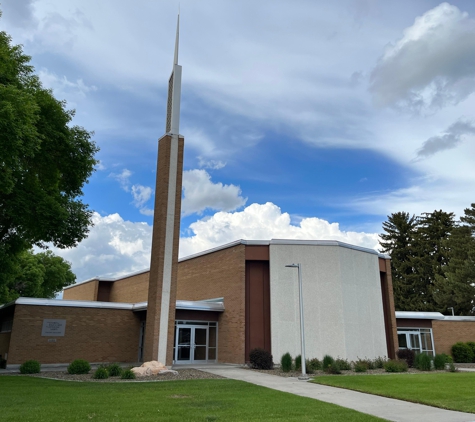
304,376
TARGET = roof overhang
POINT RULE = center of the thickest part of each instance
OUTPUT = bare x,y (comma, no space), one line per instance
418,315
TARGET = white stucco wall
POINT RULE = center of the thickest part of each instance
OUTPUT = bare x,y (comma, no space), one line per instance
343,310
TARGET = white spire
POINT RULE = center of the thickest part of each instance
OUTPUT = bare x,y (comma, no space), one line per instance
174,91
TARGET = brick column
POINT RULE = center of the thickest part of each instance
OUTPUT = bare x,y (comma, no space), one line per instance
160,325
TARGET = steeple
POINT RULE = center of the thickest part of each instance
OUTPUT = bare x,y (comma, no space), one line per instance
174,91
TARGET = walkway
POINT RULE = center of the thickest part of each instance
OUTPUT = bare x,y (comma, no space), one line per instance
390,409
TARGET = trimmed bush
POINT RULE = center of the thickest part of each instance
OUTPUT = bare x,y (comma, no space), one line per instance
343,364
30,367
333,368
440,361
462,352
408,355
471,344
313,365
298,363
379,362
395,366
423,362
114,370
100,373
286,362
327,361
260,359
360,366
127,375
79,366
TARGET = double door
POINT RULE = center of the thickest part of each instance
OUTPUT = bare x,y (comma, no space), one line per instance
191,344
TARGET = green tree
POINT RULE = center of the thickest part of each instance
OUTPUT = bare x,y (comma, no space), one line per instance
44,164
399,241
37,275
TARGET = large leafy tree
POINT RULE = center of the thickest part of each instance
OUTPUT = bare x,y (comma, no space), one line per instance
44,163
37,275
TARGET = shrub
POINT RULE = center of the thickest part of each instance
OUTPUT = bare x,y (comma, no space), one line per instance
327,361
452,367
360,366
343,364
313,365
423,362
395,366
260,359
440,361
333,368
79,366
298,363
462,352
127,374
30,367
100,373
471,344
379,362
408,355
114,370
286,362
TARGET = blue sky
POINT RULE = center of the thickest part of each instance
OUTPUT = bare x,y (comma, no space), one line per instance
302,119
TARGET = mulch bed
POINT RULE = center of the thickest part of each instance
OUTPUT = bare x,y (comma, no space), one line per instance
183,374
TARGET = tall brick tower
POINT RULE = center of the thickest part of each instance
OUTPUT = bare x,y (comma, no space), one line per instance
160,326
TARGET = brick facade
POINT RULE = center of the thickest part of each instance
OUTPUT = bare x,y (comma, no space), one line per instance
97,335
447,333
83,291
131,289
220,274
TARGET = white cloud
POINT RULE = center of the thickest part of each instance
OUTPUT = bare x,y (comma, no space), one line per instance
117,247
140,194
200,193
114,247
123,178
431,65
265,221
211,164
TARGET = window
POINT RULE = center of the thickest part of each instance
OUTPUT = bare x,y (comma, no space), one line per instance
418,339
6,325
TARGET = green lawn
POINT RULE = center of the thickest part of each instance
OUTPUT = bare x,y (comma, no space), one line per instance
34,399
448,390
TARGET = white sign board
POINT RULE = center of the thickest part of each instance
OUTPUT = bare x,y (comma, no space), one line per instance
53,327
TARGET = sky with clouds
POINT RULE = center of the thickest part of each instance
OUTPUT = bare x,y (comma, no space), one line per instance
303,119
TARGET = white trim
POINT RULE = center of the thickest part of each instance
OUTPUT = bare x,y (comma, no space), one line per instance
168,251
459,318
418,315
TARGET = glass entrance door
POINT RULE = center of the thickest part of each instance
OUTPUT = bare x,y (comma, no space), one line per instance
191,344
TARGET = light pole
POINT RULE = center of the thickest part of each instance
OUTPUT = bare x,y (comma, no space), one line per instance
453,313
302,332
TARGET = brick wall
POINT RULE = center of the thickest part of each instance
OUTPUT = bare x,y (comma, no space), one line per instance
131,289
447,333
83,291
219,274
97,335
4,343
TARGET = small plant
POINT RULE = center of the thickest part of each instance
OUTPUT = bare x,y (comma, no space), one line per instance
379,362
298,363
79,366
260,359
100,373
440,361
462,352
452,367
327,361
30,367
423,362
343,364
333,368
286,362
395,366
127,375
114,370
471,344
408,355
360,366
313,365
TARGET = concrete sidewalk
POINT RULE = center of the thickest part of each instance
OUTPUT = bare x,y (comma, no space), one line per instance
390,409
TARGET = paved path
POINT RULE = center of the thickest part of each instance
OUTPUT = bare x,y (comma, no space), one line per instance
390,409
